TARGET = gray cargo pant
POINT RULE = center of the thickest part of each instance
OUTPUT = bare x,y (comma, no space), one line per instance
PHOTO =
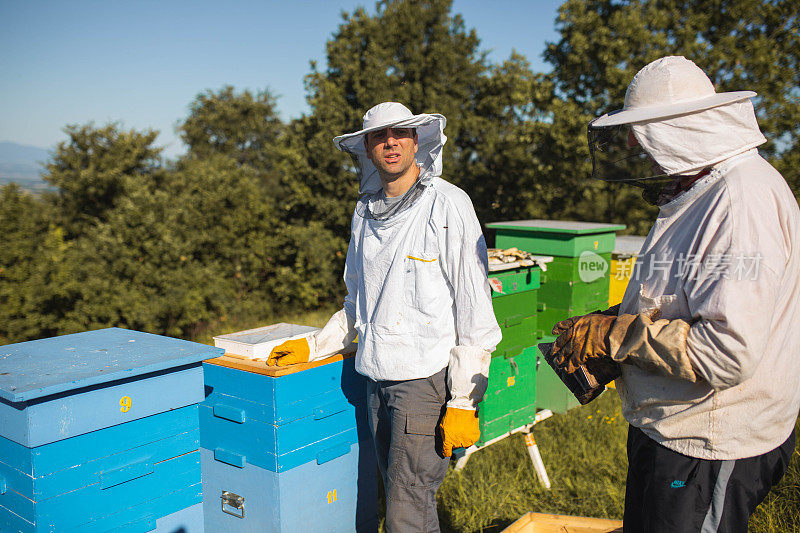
403,416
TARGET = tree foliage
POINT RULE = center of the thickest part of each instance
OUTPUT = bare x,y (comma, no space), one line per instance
98,166
173,258
740,44
243,126
33,273
255,218
165,249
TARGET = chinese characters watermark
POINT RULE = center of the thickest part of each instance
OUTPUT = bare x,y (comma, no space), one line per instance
691,267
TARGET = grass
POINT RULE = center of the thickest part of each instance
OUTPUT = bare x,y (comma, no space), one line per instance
583,451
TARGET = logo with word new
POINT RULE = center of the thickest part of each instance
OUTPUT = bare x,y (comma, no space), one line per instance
591,266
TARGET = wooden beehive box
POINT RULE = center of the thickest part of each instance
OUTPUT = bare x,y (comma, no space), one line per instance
552,523
99,431
281,447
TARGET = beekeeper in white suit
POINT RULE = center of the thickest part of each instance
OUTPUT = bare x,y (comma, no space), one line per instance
419,299
707,331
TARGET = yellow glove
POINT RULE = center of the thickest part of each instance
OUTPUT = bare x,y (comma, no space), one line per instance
458,429
289,353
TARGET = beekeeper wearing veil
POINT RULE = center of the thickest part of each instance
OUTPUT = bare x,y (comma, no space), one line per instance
419,300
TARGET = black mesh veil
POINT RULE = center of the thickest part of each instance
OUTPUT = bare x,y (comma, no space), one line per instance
374,207
617,158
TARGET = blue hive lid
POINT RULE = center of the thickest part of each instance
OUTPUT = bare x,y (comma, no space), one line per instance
33,369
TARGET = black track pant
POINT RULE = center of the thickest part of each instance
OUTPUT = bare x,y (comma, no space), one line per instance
668,491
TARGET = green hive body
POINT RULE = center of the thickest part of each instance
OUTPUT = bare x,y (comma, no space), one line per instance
576,282
516,309
510,399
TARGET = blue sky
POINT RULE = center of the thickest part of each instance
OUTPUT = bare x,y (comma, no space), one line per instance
142,62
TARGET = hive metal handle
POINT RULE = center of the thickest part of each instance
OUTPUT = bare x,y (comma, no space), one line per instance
233,500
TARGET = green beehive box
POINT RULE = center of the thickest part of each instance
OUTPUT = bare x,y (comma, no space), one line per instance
565,294
514,280
515,299
491,429
512,384
548,316
570,268
551,393
512,388
516,315
500,426
556,237
524,415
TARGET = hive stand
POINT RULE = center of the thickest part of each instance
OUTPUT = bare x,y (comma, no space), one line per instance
462,454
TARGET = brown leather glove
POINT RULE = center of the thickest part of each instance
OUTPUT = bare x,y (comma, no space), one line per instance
644,340
564,325
581,338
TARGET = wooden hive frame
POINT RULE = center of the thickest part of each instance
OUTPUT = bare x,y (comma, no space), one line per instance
552,523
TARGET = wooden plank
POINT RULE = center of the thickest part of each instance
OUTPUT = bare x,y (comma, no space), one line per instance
259,366
520,525
551,523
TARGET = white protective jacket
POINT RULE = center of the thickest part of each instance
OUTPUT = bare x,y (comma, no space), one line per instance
724,257
417,289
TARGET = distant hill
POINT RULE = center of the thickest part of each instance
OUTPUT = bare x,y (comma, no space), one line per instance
23,164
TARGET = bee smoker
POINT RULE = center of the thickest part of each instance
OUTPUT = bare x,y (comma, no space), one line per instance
589,380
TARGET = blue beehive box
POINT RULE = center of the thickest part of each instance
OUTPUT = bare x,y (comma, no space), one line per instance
287,449
99,431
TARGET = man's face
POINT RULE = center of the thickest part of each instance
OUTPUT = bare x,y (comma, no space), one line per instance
392,150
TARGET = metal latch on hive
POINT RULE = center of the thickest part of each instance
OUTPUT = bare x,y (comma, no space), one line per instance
232,501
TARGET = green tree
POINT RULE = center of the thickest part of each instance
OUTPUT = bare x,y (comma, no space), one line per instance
170,259
515,169
740,44
290,258
33,273
243,126
308,262
95,168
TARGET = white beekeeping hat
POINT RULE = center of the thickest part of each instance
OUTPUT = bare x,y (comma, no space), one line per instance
668,87
430,137
678,119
